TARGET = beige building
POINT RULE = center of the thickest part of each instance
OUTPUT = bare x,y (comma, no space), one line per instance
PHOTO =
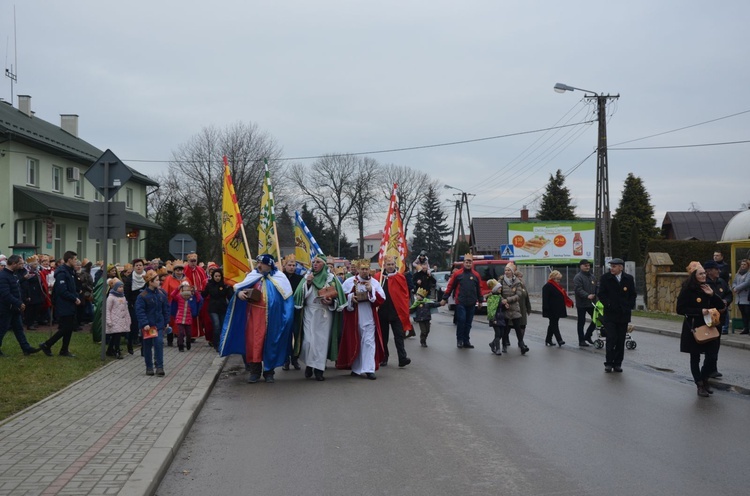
44,197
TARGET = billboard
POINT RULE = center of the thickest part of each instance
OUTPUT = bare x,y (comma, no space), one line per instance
554,242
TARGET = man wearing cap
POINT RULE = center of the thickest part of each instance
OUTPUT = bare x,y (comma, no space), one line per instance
465,284
259,320
721,289
11,304
361,348
617,294
584,286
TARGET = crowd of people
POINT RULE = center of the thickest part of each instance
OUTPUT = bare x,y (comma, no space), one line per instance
281,317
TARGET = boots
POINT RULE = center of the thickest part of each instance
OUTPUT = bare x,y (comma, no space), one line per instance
707,387
702,389
423,339
524,349
170,339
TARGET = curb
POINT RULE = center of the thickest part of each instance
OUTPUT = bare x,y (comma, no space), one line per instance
151,470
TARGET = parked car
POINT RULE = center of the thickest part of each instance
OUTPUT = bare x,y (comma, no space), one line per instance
442,282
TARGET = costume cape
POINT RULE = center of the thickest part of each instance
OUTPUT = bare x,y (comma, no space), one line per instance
275,325
350,336
400,296
337,321
198,278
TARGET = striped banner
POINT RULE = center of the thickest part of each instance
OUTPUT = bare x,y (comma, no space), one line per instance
267,240
305,246
394,241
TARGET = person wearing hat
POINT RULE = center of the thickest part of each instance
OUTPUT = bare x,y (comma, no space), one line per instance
361,348
318,325
259,320
32,293
152,312
584,288
11,304
617,293
721,288
695,301
422,309
118,317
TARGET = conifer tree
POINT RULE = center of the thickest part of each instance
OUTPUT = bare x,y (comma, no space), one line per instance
635,212
556,203
432,232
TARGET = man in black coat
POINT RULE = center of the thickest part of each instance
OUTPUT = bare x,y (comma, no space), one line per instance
66,300
617,294
11,305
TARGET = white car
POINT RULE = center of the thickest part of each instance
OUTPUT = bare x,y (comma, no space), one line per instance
442,282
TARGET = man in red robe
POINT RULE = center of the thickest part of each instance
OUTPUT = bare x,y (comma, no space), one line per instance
361,348
198,278
394,312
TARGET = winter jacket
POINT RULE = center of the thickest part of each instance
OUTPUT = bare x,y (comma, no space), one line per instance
184,310
152,309
422,309
495,311
64,293
512,293
584,285
118,316
219,294
465,284
553,302
618,298
32,292
10,293
741,284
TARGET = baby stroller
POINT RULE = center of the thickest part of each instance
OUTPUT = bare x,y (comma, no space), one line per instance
599,342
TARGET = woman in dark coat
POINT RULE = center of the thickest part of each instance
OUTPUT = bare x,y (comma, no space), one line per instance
694,301
554,301
218,294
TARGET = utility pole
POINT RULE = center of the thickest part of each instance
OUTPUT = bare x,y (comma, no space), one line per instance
459,216
603,224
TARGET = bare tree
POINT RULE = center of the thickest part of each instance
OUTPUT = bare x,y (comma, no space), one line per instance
412,185
196,170
366,197
329,186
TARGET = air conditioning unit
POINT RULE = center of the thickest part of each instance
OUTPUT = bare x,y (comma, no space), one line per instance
73,174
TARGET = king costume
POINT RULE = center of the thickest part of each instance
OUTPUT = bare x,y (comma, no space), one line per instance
318,325
361,348
260,329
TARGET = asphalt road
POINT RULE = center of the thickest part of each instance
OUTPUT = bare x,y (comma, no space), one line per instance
467,422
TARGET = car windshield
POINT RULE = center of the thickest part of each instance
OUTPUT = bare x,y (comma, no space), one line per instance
441,276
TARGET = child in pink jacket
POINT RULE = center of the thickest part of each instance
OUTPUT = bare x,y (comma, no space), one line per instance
118,317
185,306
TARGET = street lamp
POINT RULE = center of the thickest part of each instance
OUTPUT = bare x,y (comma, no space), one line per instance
458,214
602,228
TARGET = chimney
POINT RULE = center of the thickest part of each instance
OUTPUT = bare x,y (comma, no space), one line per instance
24,104
69,123
524,213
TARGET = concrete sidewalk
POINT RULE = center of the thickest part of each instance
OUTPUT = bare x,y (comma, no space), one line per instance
118,430
113,432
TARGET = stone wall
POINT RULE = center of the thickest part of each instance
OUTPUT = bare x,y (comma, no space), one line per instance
662,285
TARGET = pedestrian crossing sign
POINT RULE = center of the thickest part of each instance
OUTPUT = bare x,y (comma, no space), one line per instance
506,251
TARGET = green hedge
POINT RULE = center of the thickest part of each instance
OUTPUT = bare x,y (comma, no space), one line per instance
684,252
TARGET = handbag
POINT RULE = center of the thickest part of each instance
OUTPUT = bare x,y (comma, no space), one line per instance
705,334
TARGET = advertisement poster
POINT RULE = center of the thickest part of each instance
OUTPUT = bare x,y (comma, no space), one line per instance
562,242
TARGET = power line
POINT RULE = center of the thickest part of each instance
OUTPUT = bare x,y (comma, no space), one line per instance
695,145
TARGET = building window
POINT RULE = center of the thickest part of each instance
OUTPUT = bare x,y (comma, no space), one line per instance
81,242
57,179
78,188
369,248
58,241
32,172
129,199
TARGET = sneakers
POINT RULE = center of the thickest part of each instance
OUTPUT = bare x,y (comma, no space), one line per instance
149,371
270,379
253,378
160,372
608,368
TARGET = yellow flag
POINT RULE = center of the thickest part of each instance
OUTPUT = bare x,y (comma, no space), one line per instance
235,256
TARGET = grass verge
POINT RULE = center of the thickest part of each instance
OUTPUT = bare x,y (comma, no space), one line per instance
25,380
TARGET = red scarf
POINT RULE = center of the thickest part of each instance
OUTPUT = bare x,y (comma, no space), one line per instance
568,301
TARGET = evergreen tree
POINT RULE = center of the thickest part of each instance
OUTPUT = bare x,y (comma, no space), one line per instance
634,247
556,203
432,232
635,212
325,237
616,241
285,228
170,219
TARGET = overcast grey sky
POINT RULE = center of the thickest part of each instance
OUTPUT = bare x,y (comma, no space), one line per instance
330,77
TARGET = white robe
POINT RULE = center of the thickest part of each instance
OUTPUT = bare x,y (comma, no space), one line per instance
365,361
316,325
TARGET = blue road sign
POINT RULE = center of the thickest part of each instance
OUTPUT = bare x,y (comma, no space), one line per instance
507,251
